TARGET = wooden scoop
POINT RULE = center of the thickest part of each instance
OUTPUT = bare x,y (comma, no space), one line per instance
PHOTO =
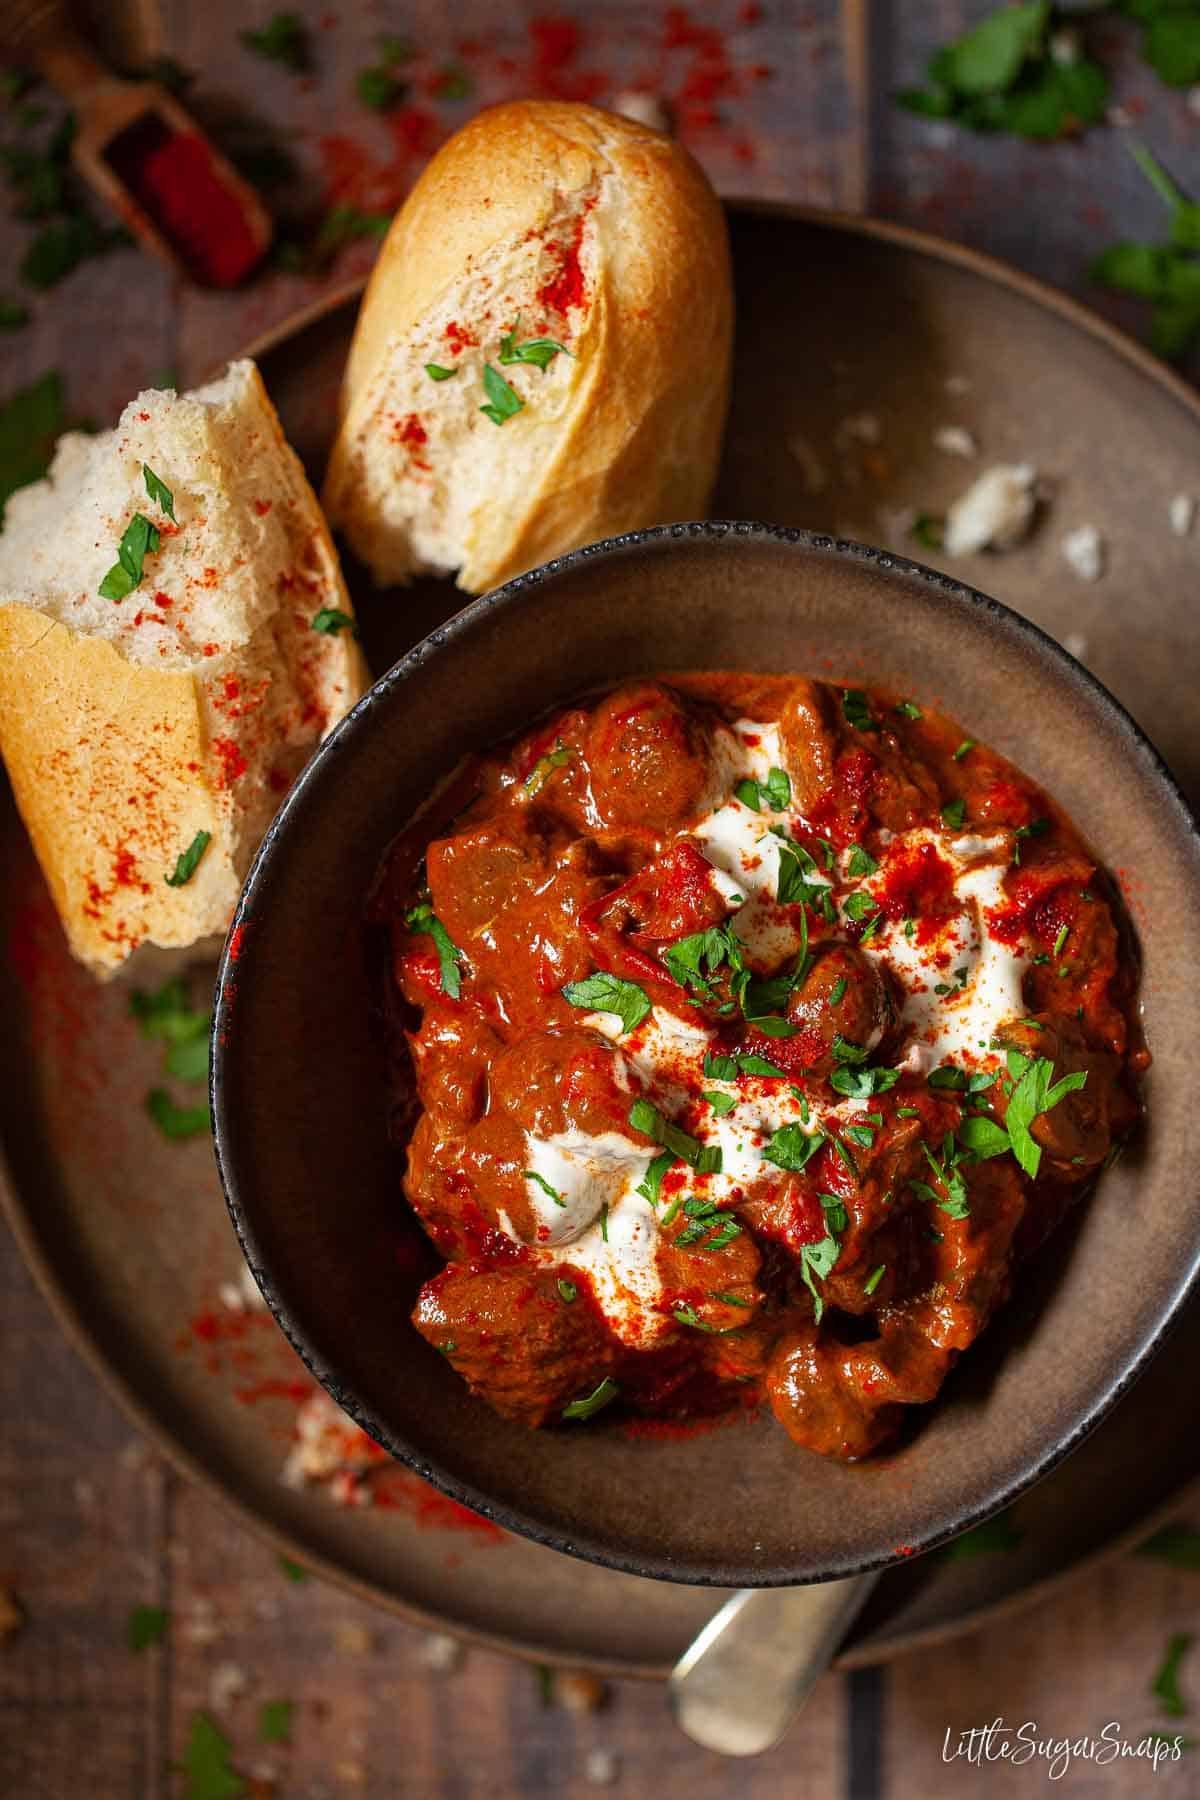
131,136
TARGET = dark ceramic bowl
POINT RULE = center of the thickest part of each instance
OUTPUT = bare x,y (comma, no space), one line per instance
300,1107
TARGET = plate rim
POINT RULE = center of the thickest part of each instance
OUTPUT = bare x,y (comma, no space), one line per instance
85,1340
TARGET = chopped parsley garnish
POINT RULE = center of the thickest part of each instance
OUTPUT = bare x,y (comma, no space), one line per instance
331,621
687,1315
816,1262
1061,939
651,1183
13,315
436,372
794,884
837,992
379,88
693,960
954,812
541,352
720,1068
908,1112
503,402
791,1148
540,1181
206,1768
606,993
993,1535
861,1084
948,1075
946,1173
834,1208
860,863
166,1014
859,906
146,1625
422,918
874,1278
1003,75
775,793
758,1065
275,1721
644,1116
1033,1095
967,745
1178,1545
856,710
176,1121
545,766
159,491
594,1402
844,1051
720,1103
188,861
293,1570
30,422
567,1291
283,39
1035,828
843,1150
908,709
1165,1686
140,540
604,1221
929,530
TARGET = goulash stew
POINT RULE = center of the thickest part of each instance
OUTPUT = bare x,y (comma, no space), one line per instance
760,1026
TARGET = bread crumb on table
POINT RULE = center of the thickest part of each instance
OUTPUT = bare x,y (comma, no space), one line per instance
995,512
955,440
1182,514
1083,552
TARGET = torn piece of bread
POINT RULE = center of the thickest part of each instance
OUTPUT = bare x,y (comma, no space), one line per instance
131,725
540,220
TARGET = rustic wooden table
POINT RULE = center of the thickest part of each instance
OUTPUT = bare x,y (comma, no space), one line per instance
786,100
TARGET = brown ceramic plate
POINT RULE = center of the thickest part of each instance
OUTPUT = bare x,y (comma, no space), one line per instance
128,1235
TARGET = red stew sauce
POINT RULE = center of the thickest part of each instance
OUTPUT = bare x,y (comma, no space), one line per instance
759,1027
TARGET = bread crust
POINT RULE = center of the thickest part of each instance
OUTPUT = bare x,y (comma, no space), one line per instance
623,434
118,761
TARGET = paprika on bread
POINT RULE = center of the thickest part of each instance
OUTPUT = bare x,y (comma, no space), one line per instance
542,358
162,679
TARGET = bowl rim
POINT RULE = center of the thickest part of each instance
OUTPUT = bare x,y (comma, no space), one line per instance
710,533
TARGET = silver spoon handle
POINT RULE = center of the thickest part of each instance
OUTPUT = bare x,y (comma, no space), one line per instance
738,1687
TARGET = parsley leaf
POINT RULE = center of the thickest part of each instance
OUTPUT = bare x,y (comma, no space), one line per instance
1032,1096
503,402
592,1403
1004,75
792,1148
141,538
205,1766
540,1181
331,621
545,766
176,1121
993,1535
146,1625
541,352
1165,274
188,860
275,1722
30,422
644,1116
953,813
606,993
436,372
861,1084
422,918
651,1184
283,39
856,710
1165,1686
159,491
860,863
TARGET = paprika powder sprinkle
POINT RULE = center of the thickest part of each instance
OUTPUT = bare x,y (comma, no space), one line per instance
174,179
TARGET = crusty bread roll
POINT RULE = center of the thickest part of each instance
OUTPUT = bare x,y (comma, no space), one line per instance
592,231
131,725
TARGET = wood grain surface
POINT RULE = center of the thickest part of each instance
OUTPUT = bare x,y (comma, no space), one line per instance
92,1524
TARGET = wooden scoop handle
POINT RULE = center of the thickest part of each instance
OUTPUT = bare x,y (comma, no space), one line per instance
40,31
